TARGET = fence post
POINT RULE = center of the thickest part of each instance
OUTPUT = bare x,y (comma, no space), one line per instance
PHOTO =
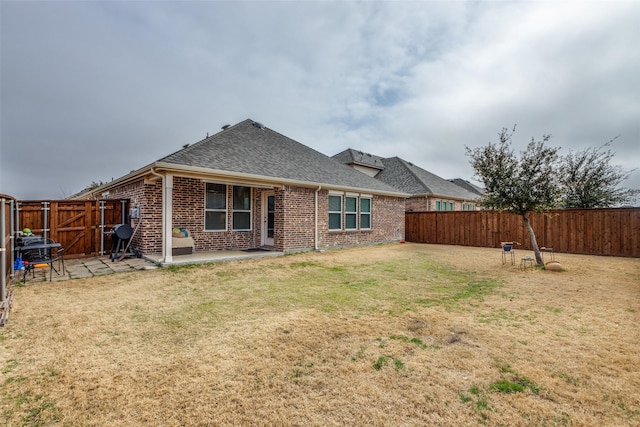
124,214
102,203
17,229
45,209
12,218
3,251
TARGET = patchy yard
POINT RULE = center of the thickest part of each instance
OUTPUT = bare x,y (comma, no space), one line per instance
386,335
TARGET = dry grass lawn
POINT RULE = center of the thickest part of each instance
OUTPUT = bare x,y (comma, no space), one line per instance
402,334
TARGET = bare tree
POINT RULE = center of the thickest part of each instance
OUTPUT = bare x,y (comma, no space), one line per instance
518,184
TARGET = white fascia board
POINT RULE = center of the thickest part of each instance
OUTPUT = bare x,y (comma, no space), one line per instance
261,180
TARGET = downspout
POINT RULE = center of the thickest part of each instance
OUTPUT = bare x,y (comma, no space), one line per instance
316,219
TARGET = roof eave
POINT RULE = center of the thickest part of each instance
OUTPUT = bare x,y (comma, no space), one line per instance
445,196
208,173
130,177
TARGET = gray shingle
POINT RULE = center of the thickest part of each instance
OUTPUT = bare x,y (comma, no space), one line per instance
251,148
409,178
468,186
351,156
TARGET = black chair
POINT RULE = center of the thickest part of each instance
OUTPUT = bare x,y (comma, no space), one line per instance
39,257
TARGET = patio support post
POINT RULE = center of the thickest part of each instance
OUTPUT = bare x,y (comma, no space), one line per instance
316,219
167,217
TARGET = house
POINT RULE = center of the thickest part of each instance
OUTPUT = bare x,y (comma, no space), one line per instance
248,186
428,191
468,186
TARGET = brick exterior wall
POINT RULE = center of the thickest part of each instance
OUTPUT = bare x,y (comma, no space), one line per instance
294,218
427,204
148,197
188,212
387,223
418,204
295,227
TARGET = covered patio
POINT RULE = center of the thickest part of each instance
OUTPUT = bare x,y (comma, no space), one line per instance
211,256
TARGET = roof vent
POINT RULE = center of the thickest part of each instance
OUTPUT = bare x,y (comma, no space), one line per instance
258,125
225,127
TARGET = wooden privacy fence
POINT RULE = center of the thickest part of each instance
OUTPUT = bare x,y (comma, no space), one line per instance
6,206
77,224
614,232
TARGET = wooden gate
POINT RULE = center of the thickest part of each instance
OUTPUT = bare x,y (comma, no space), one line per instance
77,224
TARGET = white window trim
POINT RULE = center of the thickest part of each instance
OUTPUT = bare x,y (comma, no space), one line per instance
226,209
250,210
341,212
352,213
360,213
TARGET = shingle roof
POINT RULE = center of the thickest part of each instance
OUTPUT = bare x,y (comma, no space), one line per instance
409,178
250,148
468,186
351,156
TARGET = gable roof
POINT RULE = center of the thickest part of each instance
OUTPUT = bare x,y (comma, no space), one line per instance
251,152
355,157
409,178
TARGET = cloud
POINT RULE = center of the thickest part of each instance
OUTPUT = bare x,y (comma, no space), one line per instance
92,90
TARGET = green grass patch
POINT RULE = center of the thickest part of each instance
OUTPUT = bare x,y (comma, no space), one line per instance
506,386
180,268
476,396
381,362
512,382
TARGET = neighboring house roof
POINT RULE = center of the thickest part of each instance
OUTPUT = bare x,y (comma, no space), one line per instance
355,157
249,150
409,178
468,186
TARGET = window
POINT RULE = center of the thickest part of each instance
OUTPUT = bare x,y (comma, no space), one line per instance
437,205
351,213
365,213
335,212
451,206
241,208
215,207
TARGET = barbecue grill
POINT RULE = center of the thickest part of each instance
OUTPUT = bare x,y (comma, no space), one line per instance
120,236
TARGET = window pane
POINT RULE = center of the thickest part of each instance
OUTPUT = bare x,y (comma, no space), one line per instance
350,221
437,205
365,221
216,196
335,203
334,221
351,204
242,198
241,220
214,220
365,205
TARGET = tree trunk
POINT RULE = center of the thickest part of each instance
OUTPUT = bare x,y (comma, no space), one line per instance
534,242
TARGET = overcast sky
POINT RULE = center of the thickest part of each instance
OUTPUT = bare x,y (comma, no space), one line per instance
94,89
